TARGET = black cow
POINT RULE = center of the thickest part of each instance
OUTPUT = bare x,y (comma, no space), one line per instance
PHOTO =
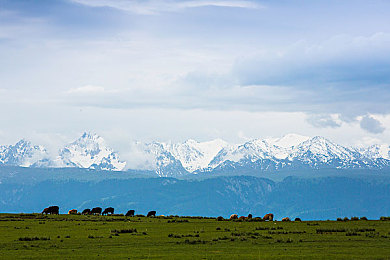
297,219
108,210
151,213
86,212
51,210
130,213
97,210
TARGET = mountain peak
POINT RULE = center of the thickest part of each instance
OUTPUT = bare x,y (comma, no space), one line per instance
288,140
90,151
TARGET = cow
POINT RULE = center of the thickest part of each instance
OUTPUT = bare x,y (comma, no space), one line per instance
130,213
108,210
242,218
151,213
297,219
233,216
286,219
249,216
86,212
269,217
72,212
96,211
220,218
51,210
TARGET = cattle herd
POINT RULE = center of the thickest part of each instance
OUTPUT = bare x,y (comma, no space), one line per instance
131,213
94,211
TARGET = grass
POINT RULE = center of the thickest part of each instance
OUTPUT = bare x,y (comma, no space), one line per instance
118,237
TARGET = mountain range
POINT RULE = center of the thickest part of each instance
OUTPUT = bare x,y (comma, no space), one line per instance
191,157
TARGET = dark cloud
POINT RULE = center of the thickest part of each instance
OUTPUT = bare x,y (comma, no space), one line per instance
322,121
371,125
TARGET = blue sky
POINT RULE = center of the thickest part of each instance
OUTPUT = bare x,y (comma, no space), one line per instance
172,70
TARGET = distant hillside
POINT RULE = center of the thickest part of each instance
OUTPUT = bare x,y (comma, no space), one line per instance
308,198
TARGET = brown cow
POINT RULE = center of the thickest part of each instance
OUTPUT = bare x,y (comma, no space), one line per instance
242,218
233,216
269,217
286,219
72,212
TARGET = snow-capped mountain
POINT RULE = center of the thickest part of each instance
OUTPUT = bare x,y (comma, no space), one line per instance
177,159
196,155
377,151
89,151
23,153
273,149
288,140
161,160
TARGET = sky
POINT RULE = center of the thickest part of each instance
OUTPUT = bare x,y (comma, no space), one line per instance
169,70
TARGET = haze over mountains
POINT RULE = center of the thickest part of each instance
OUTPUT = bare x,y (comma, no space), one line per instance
177,159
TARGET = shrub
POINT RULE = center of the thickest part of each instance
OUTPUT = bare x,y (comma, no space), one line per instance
131,230
33,238
330,230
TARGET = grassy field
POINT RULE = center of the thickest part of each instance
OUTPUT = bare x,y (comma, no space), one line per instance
77,236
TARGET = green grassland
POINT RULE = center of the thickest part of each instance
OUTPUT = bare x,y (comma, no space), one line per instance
78,236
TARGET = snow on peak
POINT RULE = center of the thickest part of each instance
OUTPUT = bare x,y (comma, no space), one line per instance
288,140
196,155
377,151
90,151
23,153
321,149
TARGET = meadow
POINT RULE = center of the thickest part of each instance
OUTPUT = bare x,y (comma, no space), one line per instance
118,237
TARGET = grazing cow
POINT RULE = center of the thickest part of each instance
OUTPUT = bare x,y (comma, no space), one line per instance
51,210
96,211
297,219
233,216
86,212
242,218
151,213
220,218
130,213
108,210
54,210
269,217
46,211
286,219
72,212
250,216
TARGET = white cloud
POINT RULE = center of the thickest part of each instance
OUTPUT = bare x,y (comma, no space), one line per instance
88,89
158,6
